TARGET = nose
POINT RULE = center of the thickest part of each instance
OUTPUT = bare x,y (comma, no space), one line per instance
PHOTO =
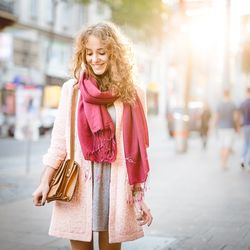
94,58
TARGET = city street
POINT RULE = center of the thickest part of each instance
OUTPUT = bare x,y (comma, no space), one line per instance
196,205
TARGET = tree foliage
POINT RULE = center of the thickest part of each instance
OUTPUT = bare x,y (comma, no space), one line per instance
146,16
84,2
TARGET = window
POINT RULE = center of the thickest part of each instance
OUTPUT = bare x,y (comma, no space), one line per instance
34,9
66,15
50,11
25,53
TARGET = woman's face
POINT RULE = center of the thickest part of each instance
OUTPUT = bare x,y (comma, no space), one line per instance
96,55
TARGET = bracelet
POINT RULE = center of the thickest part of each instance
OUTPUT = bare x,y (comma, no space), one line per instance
138,196
138,189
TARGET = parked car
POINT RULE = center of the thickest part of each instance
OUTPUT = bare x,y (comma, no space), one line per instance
45,123
48,116
193,117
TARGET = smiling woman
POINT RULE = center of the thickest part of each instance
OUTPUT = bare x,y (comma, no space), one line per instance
111,146
96,55
102,49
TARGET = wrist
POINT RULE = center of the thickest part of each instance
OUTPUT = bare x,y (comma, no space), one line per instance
45,181
137,189
138,195
47,175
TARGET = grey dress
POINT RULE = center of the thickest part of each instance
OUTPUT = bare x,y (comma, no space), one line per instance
101,183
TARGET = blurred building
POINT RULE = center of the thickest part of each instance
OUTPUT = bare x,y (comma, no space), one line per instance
36,45
39,44
7,16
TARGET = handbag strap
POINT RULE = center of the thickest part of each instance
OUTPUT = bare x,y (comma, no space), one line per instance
72,121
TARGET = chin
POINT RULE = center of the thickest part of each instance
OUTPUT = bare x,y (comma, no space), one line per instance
99,72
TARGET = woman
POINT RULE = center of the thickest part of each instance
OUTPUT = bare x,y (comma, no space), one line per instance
111,146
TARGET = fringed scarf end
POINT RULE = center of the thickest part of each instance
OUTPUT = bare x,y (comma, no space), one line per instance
104,148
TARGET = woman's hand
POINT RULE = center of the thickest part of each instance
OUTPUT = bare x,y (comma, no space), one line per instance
144,215
40,194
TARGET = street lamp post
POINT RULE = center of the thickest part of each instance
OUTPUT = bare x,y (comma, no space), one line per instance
27,127
181,123
226,78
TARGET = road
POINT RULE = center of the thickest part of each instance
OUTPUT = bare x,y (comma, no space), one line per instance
196,205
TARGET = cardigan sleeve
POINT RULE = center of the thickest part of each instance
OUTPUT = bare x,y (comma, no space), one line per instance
57,149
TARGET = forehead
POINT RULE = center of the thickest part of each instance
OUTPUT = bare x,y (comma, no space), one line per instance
94,43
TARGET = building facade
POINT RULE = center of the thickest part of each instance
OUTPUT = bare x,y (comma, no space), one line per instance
36,46
40,42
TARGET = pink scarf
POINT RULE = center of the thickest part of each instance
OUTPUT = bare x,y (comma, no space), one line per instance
96,130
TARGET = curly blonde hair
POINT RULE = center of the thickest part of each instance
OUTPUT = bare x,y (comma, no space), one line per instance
119,75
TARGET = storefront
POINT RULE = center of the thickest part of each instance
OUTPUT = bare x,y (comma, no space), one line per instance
16,101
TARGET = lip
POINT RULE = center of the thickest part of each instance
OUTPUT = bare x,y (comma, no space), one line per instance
97,65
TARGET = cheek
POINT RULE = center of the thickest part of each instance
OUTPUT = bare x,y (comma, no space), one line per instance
105,59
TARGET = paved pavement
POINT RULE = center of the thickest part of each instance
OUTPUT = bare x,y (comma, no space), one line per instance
196,205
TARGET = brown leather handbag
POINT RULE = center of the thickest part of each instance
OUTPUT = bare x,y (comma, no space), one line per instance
64,181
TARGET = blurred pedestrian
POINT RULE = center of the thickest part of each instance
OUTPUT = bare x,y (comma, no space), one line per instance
226,119
204,127
245,118
112,138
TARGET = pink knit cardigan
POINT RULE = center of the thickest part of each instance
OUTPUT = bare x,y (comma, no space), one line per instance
73,220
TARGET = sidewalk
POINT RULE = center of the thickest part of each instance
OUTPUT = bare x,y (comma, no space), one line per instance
196,205
25,227
199,204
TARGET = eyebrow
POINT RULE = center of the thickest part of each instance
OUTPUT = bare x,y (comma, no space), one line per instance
97,49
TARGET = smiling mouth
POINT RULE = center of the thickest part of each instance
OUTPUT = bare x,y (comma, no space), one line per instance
97,65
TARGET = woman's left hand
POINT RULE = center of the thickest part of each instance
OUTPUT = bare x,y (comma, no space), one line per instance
145,214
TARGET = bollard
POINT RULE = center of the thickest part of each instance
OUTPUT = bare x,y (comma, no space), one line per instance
181,132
